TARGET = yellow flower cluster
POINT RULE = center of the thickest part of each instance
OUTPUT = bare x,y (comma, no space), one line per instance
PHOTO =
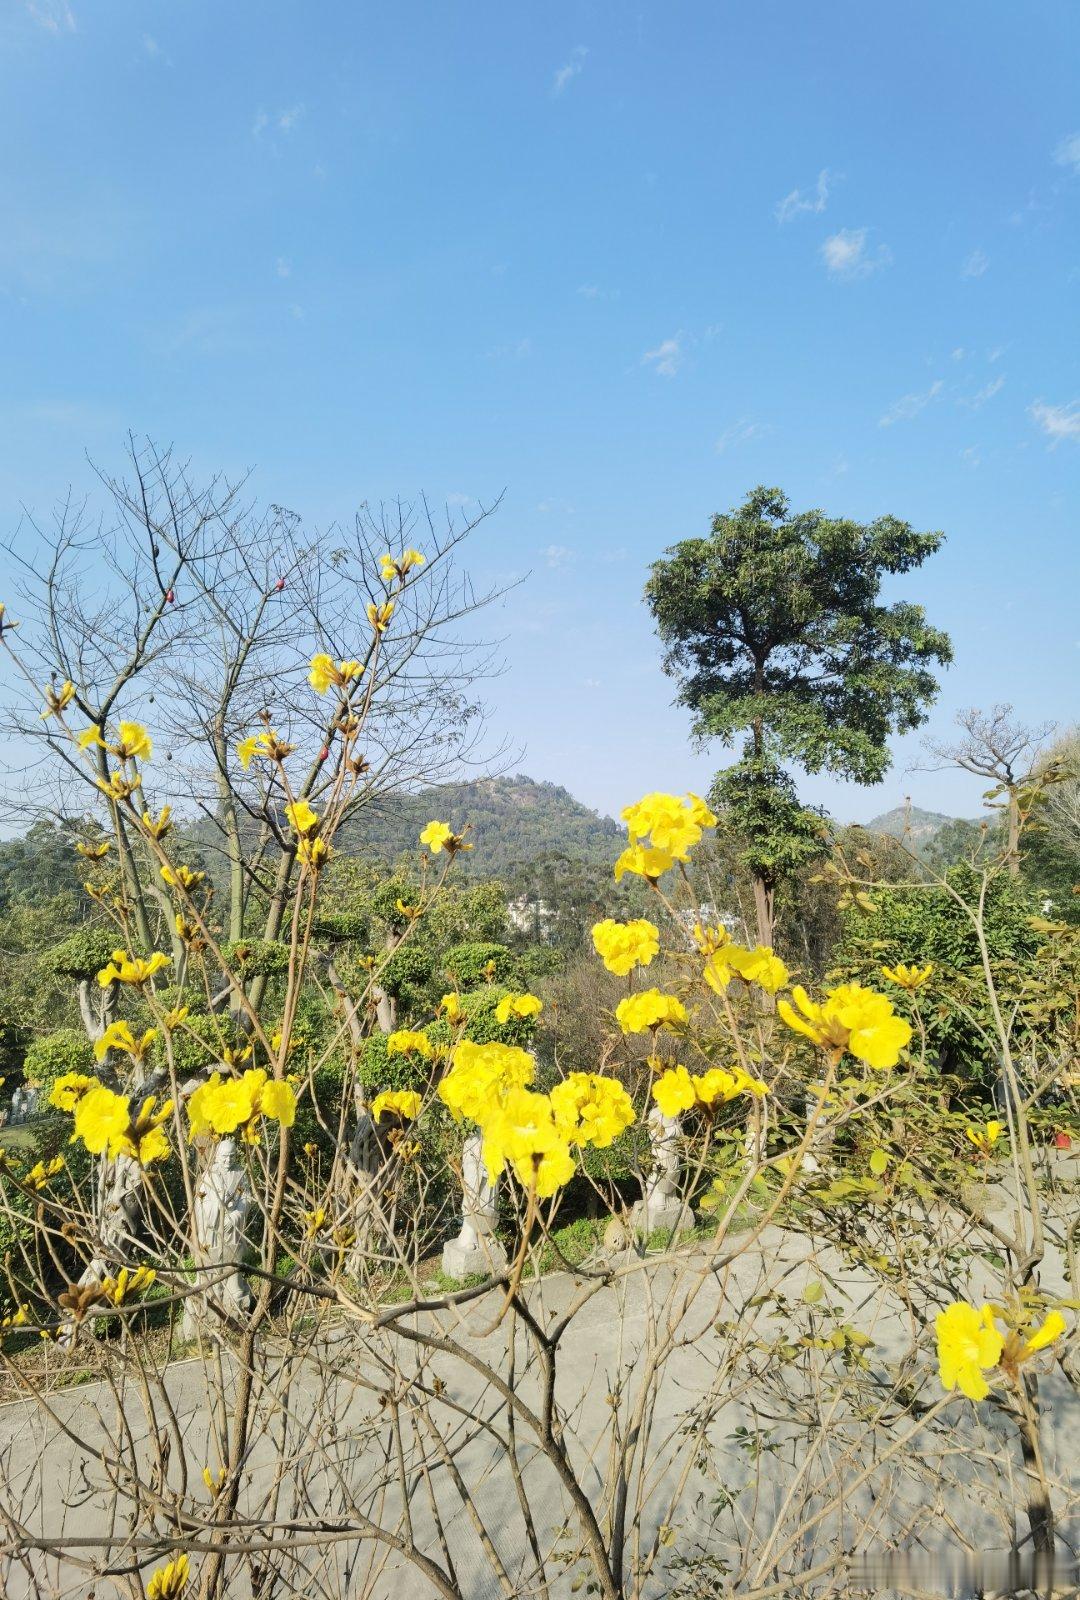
518,1005
760,966
169,1581
132,969
406,1041
106,1126
678,1090
264,743
379,616
969,1345
985,1138
481,1074
403,1103
57,700
181,877
670,824
622,946
591,1109
910,978
127,1283
853,1019
311,850
68,1090
227,1105
649,1010
326,673
398,568
118,1036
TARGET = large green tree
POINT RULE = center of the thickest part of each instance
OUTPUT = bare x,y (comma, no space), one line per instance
775,627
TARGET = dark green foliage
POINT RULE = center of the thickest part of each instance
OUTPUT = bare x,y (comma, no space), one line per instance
773,626
256,958
917,925
35,867
48,1058
467,964
340,927
379,1071
83,953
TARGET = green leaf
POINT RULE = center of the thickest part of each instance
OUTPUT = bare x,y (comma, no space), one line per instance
878,1162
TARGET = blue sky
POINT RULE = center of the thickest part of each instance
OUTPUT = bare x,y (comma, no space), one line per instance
624,261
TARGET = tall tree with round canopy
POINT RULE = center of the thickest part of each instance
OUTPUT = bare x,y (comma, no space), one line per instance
774,626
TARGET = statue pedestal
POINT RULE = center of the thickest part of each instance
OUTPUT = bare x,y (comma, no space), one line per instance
666,1212
482,1256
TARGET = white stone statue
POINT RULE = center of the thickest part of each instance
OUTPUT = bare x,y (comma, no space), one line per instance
476,1248
223,1200
662,1206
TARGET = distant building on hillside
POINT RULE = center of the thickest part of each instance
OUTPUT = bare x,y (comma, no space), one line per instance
534,917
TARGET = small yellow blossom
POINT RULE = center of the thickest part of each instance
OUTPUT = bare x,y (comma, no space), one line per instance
181,877
39,1174
124,968
57,700
440,836
403,1103
1052,1328
311,852
118,1036
104,1123
671,824
119,787
984,1138
213,1481
906,977
326,673
590,1108
968,1345
93,852
133,742
169,1581
522,1133
674,1092
127,1283
650,1009
451,1007
226,1105
158,829
301,817
518,1005
89,739
643,863
391,568
481,1075
379,616
758,966
622,946
69,1089
172,1019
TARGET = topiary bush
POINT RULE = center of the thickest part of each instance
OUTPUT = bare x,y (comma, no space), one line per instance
48,1058
255,958
83,954
468,964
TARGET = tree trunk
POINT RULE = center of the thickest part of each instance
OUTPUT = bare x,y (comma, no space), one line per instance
763,906
1013,822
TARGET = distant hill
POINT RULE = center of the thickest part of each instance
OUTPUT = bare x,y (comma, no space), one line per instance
513,821
921,825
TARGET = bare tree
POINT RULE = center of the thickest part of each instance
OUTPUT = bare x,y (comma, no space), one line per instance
1006,753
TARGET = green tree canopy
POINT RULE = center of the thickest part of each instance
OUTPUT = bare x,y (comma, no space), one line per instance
775,627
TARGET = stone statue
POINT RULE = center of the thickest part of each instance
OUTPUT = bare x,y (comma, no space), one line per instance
662,1206
476,1249
223,1200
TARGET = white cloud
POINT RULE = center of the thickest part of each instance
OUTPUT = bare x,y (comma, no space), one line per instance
800,201
570,70
972,456
994,387
909,405
517,351
1067,153
1057,422
975,265
959,353
740,432
557,555
56,16
846,256
284,121
150,45
667,358
456,498
282,267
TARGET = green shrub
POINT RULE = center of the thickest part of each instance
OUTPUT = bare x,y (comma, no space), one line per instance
48,1058
467,964
255,958
82,954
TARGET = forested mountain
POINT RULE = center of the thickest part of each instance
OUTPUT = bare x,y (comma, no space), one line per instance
513,821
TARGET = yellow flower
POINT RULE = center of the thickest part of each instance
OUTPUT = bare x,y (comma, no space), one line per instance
968,1344
718,1085
132,969
326,673
649,1009
718,971
518,1005
224,1105
93,852
39,1174
481,1074
181,877
758,966
451,1008
591,1109
158,829
118,1036
57,699
248,749
168,1581
403,1103
312,852
213,1481
104,1123
522,1133
909,978
709,940
669,822
379,616
278,1102
392,569
117,787
700,811
986,1137
1053,1327
440,836
133,742
408,911
69,1088
90,738
301,817
853,1019
622,946
172,1019
127,1283
643,863
674,1091
406,1041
